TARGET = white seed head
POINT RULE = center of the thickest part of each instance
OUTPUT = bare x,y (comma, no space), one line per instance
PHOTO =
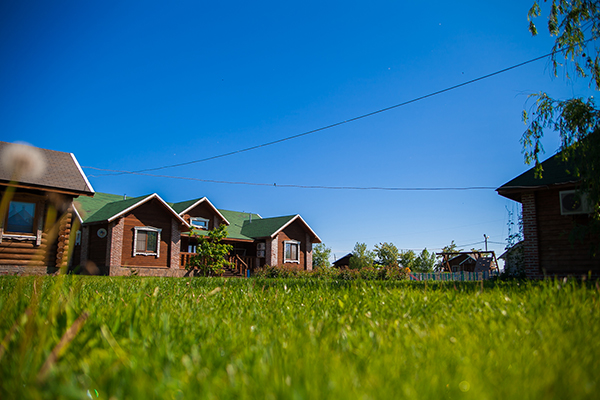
23,161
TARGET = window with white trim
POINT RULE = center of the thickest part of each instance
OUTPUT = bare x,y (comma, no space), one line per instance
292,251
198,222
146,241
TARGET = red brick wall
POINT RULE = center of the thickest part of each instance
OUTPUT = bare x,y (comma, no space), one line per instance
532,260
560,253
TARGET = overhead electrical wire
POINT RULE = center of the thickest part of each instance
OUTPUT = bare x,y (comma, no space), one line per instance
335,124
302,186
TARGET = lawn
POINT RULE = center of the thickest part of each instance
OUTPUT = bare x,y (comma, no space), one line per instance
143,338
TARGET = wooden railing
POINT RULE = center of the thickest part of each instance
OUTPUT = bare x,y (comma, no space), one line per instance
239,264
185,258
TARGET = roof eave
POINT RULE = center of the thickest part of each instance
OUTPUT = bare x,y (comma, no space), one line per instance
145,200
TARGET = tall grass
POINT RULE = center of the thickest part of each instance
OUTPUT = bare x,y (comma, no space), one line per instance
122,338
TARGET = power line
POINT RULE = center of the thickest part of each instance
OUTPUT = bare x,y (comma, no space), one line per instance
299,186
341,122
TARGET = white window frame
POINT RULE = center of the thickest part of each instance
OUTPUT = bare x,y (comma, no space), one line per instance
146,229
192,219
291,242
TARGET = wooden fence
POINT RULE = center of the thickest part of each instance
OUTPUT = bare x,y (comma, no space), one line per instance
452,276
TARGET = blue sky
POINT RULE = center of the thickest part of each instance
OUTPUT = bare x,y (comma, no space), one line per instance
129,85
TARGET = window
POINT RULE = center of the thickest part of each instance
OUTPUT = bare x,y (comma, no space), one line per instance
20,218
200,223
146,241
292,251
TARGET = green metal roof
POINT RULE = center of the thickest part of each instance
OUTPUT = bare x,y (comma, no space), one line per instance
103,206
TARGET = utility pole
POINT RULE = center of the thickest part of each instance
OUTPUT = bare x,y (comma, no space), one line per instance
485,237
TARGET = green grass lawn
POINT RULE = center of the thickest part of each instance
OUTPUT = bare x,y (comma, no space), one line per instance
166,338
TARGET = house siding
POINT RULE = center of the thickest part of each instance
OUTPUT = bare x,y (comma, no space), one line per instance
97,248
203,210
296,232
559,252
152,214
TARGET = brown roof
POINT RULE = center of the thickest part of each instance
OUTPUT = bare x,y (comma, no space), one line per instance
62,172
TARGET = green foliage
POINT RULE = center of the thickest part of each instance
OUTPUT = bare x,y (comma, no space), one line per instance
575,24
321,255
387,254
361,257
208,338
407,259
425,262
211,254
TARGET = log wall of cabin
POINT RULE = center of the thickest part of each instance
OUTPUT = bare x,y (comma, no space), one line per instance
559,252
45,249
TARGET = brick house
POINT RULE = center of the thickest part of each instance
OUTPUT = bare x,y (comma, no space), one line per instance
552,208
35,226
153,237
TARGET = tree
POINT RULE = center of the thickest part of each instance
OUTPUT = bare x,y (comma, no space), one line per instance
407,259
387,254
361,257
425,262
211,254
576,25
321,255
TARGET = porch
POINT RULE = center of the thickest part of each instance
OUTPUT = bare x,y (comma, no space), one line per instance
240,265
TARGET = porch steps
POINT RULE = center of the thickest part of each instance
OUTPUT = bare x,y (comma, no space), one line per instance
231,273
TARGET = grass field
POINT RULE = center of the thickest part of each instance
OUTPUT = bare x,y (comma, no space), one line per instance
165,338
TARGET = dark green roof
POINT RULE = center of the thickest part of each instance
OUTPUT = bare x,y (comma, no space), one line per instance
554,173
103,206
243,226
264,227
236,223
182,205
87,206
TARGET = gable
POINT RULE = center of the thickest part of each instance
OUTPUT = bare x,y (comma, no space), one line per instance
61,171
198,208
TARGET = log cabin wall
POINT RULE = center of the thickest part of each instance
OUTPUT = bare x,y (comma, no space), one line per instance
560,253
46,247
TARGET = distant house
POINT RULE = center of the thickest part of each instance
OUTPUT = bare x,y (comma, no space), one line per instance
35,227
343,262
552,208
471,261
153,237
118,234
